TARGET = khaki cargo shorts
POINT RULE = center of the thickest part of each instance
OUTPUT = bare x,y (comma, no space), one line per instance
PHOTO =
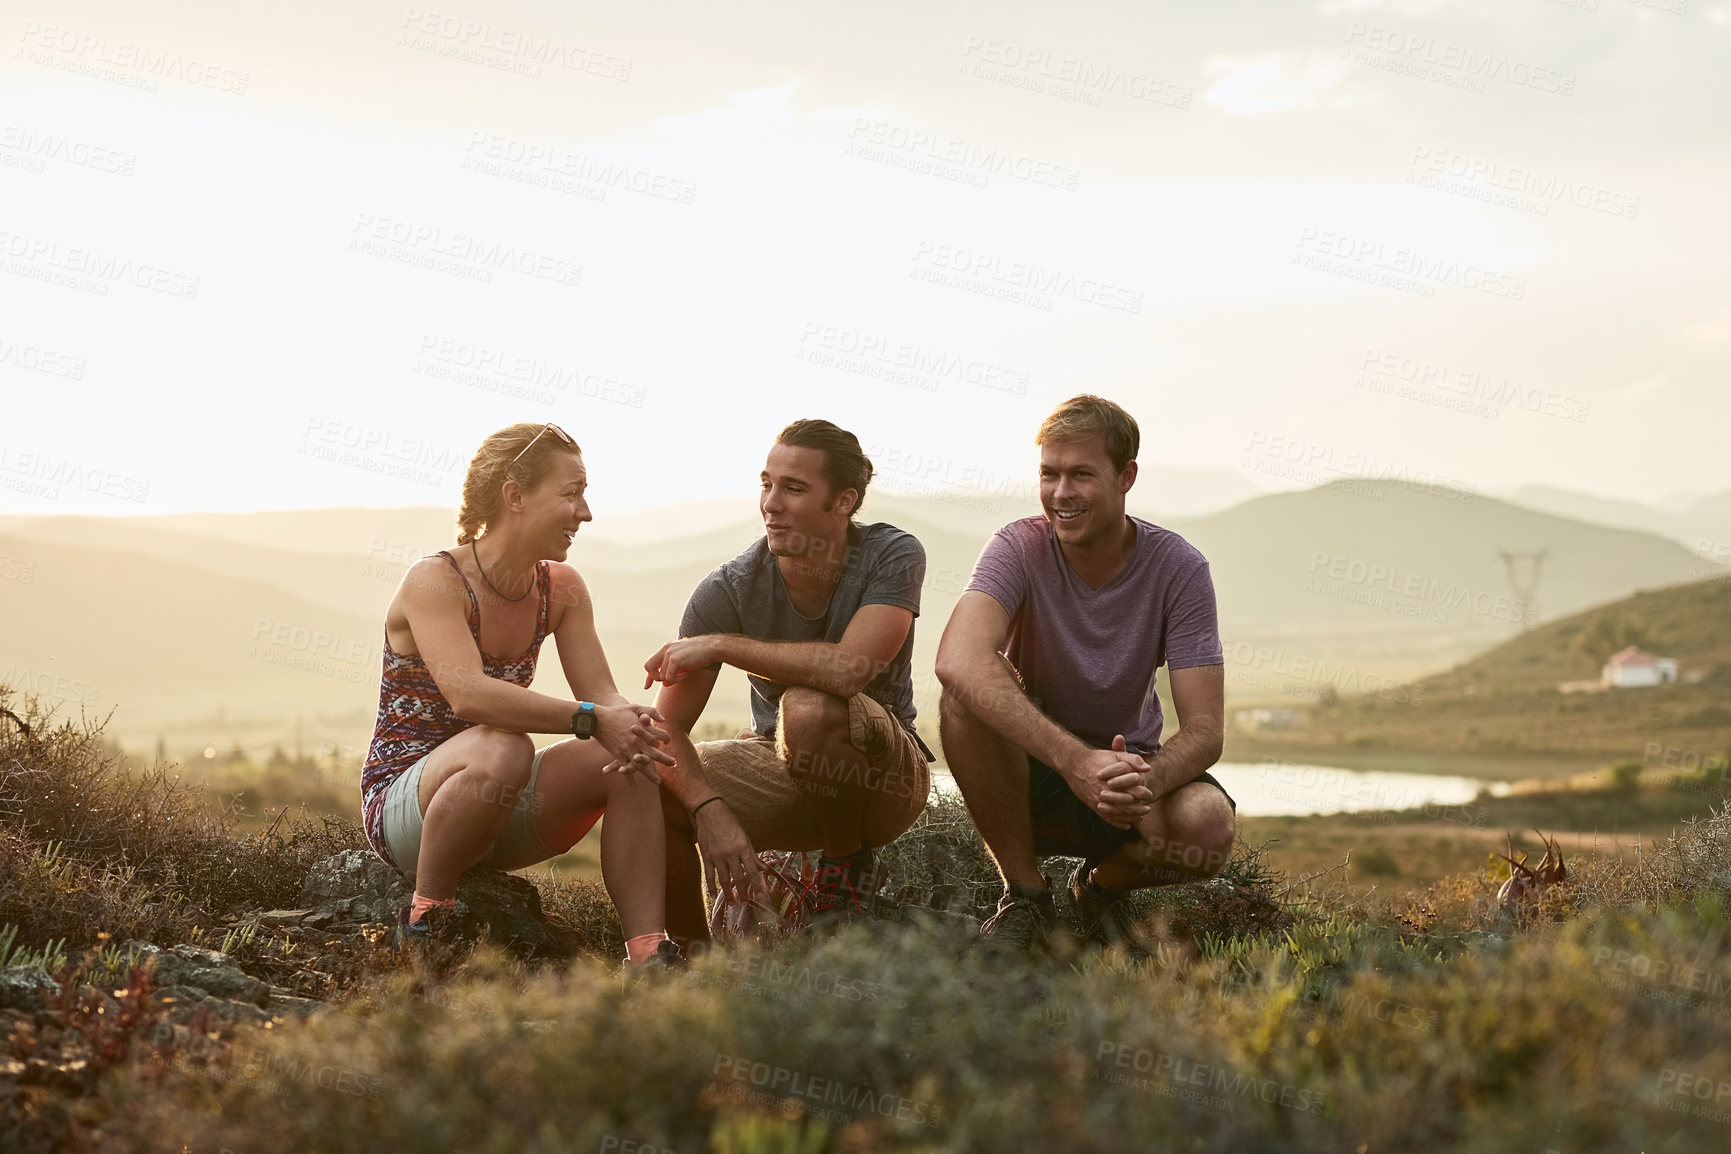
772,807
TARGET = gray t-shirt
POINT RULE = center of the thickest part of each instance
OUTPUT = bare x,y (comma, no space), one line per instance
1089,657
883,565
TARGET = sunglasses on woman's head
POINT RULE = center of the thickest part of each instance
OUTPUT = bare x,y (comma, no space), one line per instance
562,434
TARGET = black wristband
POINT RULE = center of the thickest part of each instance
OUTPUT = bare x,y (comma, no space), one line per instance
703,803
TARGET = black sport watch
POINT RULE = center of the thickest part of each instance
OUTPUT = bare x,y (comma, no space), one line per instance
583,721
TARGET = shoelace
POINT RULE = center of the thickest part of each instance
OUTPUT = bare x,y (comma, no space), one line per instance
1021,929
821,886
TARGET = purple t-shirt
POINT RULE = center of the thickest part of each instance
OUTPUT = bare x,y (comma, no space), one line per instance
1089,656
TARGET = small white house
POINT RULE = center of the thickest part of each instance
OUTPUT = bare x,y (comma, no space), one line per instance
1265,718
1633,667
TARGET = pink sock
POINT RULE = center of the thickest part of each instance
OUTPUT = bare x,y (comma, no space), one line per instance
643,946
419,905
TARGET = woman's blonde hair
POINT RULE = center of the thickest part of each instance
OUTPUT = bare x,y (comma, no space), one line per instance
492,466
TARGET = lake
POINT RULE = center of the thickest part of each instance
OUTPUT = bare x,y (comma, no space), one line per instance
1275,788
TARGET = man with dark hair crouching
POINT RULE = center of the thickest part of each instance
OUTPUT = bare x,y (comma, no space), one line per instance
819,613
1050,720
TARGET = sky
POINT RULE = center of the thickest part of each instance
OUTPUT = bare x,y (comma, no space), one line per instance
275,256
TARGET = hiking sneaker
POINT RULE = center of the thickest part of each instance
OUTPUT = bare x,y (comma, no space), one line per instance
665,960
1103,915
840,892
1024,922
430,939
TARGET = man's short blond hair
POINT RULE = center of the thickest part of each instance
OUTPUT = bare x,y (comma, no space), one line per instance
1086,415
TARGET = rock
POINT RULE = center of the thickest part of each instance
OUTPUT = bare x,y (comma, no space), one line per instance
179,997
370,888
184,1002
35,1126
209,973
282,1004
238,1011
63,1066
356,886
282,917
26,988
506,908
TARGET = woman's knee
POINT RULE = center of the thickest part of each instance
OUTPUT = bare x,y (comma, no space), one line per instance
496,767
501,750
632,792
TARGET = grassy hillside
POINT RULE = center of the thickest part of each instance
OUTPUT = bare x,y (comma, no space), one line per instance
1256,1013
1507,698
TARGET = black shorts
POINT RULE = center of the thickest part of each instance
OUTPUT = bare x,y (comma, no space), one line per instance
1065,826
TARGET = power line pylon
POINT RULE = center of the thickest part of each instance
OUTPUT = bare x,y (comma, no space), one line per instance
1526,589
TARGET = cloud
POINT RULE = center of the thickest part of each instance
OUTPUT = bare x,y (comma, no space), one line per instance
752,112
1273,82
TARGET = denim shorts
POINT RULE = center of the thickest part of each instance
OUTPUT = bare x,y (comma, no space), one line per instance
518,844
1065,826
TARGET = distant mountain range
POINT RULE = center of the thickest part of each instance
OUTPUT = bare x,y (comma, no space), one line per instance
201,626
1702,524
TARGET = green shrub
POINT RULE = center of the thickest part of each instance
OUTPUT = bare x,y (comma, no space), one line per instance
1376,862
1627,774
1339,1034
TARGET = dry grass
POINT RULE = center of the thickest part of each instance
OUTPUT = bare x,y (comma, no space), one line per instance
1268,1013
88,846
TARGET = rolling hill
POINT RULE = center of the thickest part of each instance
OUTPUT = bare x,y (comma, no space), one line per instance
1507,700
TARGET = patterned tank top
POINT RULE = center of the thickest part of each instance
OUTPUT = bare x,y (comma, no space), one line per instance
414,717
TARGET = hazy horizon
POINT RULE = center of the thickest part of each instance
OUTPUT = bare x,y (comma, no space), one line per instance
611,523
